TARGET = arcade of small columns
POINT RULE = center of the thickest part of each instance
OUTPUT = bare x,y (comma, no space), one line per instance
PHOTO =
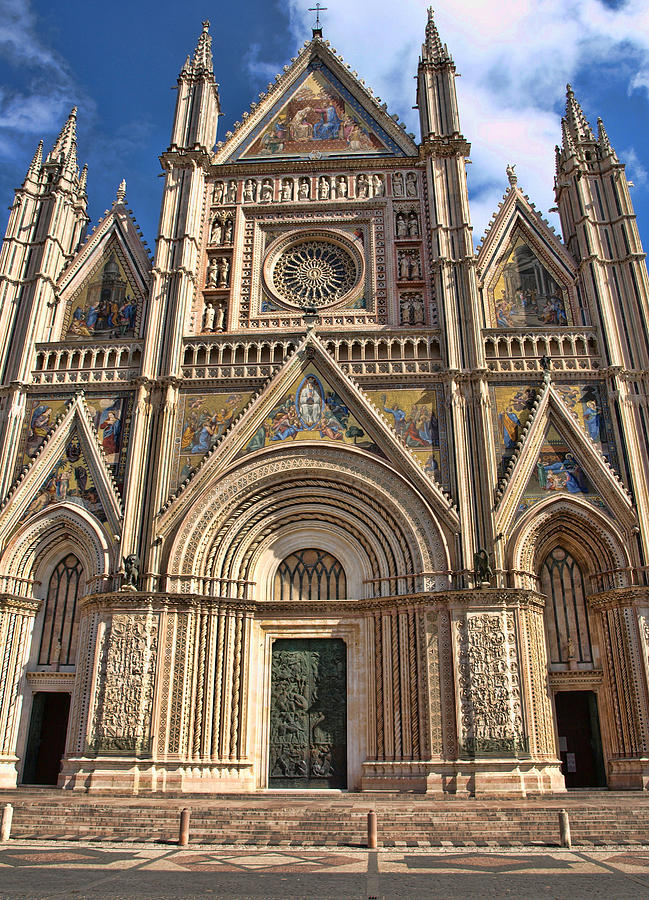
448,685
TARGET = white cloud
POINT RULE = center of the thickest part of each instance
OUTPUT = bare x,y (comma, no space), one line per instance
514,58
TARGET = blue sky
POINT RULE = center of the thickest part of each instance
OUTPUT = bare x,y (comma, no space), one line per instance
118,60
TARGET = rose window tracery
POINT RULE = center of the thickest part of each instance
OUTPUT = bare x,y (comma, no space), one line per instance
314,273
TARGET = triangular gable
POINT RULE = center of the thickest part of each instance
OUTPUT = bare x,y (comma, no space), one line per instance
527,275
316,109
103,290
557,458
311,399
70,467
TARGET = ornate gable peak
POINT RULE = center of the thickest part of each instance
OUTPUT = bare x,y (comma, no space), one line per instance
550,409
75,417
516,209
231,148
118,222
310,350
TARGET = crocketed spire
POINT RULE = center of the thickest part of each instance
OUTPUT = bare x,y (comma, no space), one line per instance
65,146
577,121
433,50
202,61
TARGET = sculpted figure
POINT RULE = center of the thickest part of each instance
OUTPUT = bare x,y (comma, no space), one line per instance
212,270
224,272
341,187
208,318
413,225
378,185
218,192
266,190
231,195
402,226
397,184
216,231
411,184
287,189
362,187
131,571
404,266
418,311
405,310
250,191
324,188
483,573
304,189
227,237
220,317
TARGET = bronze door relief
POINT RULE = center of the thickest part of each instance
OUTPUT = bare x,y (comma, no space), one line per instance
308,714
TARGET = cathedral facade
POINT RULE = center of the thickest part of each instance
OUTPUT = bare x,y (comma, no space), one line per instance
321,496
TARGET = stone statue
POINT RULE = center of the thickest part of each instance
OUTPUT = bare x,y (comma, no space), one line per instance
378,185
325,188
397,184
266,190
418,311
405,311
231,195
216,232
304,189
131,572
414,272
220,317
224,272
404,266
341,187
227,237
287,189
218,192
511,175
250,191
483,573
411,184
362,187
402,227
212,270
413,225
208,318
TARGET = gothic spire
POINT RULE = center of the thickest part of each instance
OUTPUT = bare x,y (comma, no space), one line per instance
83,179
202,61
120,196
36,163
65,145
577,121
568,144
603,141
433,50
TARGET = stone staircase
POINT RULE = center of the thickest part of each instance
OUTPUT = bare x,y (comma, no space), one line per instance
288,819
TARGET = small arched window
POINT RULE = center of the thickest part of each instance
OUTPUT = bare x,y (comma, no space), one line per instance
310,575
59,635
566,618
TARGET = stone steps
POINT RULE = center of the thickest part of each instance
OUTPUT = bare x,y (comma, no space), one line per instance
596,818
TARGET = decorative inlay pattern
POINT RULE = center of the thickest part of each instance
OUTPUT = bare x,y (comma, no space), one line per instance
314,273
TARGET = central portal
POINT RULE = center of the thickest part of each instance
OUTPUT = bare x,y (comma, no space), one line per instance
308,714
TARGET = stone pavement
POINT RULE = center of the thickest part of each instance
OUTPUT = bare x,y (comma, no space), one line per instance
42,870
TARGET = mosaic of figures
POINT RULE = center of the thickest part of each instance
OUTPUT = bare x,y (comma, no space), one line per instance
285,190
110,416
414,415
512,405
69,480
106,306
202,420
526,294
317,118
310,410
558,471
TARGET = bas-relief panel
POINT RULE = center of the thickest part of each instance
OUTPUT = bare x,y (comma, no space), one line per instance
106,306
415,416
317,119
526,294
202,420
512,404
69,480
110,415
310,410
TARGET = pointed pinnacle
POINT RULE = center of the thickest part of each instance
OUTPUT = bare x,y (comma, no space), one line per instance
36,163
603,140
568,143
83,179
121,191
202,61
66,143
433,49
577,121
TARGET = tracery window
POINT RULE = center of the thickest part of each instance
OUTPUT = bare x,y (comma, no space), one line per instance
566,617
59,635
310,575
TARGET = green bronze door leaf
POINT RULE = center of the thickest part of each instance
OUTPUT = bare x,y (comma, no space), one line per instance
308,714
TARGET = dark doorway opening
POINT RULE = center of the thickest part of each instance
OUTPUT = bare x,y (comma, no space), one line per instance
580,742
46,740
308,714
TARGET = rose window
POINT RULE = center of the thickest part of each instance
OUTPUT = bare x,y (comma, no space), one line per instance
314,273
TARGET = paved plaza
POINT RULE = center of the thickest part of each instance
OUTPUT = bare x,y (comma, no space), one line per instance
43,870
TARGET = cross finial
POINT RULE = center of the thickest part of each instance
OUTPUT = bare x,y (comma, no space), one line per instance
317,9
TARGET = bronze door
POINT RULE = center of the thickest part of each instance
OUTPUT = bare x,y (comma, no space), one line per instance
308,714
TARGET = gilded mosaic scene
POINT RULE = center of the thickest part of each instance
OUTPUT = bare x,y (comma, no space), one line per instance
203,420
526,294
316,118
106,306
414,416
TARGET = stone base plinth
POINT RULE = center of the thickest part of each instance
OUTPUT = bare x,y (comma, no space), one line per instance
8,771
466,778
628,774
142,776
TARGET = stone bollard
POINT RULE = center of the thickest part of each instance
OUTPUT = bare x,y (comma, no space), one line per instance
183,836
5,827
564,829
371,831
